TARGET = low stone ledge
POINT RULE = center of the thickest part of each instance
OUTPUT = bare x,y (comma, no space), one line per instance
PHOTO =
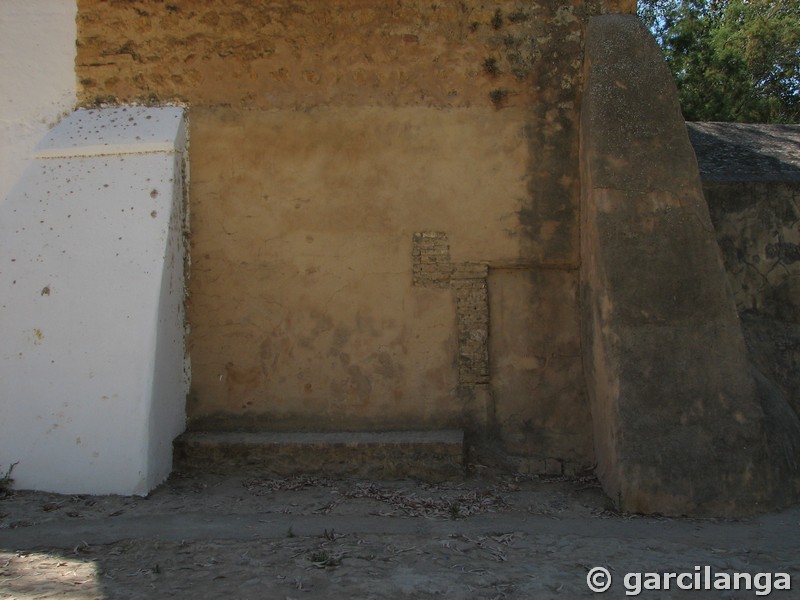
424,455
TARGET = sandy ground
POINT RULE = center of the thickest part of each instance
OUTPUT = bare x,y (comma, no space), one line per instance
305,538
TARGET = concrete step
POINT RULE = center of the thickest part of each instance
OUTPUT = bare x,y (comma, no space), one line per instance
424,455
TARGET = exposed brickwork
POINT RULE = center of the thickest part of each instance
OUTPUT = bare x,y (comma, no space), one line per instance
472,312
431,259
433,268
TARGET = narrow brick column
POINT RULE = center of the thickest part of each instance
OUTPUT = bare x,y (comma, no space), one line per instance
432,267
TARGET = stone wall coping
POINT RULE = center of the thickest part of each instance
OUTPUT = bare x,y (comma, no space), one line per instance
118,130
746,151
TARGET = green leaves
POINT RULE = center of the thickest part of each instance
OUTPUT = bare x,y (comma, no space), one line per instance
733,60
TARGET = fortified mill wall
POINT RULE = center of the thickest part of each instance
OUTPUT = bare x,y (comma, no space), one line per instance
417,215
384,208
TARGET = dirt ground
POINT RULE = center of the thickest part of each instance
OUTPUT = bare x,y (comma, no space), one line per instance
204,536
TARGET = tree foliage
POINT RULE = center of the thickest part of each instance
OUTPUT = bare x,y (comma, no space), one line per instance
733,60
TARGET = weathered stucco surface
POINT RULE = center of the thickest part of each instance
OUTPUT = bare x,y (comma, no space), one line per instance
327,140
302,304
536,347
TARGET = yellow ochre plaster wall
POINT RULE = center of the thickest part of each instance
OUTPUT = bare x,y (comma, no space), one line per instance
384,208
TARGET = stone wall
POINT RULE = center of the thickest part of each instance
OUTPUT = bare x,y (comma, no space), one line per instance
384,208
751,180
756,225
681,424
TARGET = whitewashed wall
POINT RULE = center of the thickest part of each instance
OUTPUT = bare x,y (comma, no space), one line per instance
37,68
92,375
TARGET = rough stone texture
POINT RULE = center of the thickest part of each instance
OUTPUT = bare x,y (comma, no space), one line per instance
757,230
751,180
318,52
424,455
678,424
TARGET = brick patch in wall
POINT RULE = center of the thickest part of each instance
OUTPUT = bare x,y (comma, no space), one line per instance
432,267
472,312
431,258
